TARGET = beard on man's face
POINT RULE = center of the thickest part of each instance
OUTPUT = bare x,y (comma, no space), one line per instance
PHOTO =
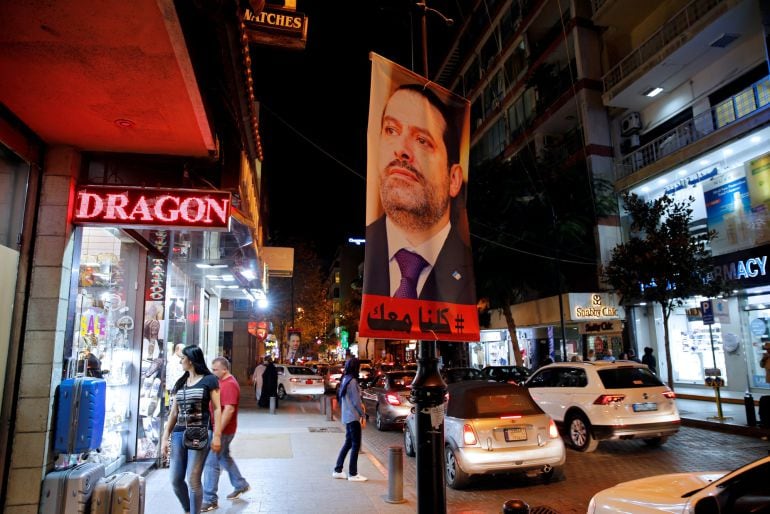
412,205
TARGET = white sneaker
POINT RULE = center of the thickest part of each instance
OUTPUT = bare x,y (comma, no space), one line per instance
357,478
341,475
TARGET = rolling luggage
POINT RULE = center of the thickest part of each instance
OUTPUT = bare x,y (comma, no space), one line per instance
69,491
80,417
764,411
121,493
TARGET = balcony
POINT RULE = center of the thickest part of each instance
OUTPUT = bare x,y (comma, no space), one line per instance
690,40
749,101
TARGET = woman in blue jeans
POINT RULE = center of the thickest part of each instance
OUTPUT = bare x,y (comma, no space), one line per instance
194,392
353,416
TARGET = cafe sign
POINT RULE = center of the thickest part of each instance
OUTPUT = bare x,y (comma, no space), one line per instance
592,306
140,207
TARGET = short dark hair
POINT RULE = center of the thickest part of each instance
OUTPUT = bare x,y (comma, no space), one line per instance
453,129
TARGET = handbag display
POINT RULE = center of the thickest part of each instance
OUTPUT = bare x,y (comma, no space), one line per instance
195,437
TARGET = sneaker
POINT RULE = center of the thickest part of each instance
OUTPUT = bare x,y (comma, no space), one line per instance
238,492
207,507
341,475
357,478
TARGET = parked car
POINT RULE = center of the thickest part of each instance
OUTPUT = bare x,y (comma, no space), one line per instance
494,428
742,491
452,375
600,400
511,374
298,380
387,398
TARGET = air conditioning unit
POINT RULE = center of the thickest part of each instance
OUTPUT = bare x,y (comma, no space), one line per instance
630,124
629,143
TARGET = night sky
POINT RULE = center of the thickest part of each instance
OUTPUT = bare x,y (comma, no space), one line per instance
314,110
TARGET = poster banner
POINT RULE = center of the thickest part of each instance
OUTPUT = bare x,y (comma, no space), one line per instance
418,266
728,211
758,175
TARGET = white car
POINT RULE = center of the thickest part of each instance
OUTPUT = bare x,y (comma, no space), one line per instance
298,380
601,400
745,490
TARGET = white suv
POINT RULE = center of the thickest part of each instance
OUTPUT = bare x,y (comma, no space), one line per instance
605,400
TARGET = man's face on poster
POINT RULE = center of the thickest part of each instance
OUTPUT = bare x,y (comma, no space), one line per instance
416,181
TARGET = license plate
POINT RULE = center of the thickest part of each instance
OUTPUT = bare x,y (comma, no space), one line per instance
644,407
515,434
309,381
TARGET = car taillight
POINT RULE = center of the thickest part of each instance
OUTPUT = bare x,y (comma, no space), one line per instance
553,432
511,416
607,399
293,380
469,436
513,382
393,399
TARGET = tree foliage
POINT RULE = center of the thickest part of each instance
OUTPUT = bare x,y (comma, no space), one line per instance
662,262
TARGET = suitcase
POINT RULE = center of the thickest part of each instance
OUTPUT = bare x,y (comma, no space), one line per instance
80,415
121,493
764,411
69,491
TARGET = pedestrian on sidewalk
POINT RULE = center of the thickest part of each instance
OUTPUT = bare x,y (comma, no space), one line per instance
649,359
354,418
269,384
230,397
256,378
196,397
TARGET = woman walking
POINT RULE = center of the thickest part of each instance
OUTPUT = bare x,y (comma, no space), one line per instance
353,416
196,393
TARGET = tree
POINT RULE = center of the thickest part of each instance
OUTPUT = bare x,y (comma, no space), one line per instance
662,261
533,222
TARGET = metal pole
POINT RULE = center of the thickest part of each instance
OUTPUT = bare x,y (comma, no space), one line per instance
428,391
395,475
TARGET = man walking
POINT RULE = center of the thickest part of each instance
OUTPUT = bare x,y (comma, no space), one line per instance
230,395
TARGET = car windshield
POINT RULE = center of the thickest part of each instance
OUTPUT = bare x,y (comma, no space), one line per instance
628,378
300,370
500,404
456,375
400,381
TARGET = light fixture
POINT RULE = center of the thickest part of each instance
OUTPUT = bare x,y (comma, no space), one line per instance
202,265
213,277
756,139
228,278
727,152
653,92
704,162
681,173
645,189
248,274
662,181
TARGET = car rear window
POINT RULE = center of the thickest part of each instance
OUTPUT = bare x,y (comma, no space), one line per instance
300,370
496,405
628,378
399,381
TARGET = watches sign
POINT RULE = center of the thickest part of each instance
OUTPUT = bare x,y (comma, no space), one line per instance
149,208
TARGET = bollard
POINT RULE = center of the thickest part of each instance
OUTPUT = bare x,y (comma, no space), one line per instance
751,414
515,506
329,408
395,475
323,404
272,405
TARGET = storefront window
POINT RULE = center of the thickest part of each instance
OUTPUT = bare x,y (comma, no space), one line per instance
695,347
759,329
103,340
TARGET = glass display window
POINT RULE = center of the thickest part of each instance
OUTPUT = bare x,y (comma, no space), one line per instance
759,330
103,336
695,346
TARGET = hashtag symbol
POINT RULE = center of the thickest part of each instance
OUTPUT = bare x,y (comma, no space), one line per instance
459,323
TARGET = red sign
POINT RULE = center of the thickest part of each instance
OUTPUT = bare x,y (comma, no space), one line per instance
147,207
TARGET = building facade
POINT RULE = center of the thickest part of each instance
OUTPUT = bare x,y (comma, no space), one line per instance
132,219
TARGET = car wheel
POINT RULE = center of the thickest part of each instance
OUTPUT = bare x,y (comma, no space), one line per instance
580,434
408,442
655,441
456,478
281,392
379,421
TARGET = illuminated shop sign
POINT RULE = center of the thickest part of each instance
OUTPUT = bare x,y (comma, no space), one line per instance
273,26
597,308
148,208
742,269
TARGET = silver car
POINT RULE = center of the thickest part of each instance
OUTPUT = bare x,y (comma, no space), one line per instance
494,428
388,398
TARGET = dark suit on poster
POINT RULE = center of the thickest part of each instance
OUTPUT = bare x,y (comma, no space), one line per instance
450,280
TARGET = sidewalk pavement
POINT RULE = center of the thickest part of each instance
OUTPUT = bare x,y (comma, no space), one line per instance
288,457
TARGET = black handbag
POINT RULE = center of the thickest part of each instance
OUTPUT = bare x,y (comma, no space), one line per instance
195,437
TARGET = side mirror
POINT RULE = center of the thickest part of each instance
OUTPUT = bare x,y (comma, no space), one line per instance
707,505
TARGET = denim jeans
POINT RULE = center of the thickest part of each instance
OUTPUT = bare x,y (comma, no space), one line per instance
186,468
215,462
352,444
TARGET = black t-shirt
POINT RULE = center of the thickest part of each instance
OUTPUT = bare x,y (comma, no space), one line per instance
193,402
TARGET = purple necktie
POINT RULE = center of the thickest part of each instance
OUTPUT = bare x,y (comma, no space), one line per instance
410,264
